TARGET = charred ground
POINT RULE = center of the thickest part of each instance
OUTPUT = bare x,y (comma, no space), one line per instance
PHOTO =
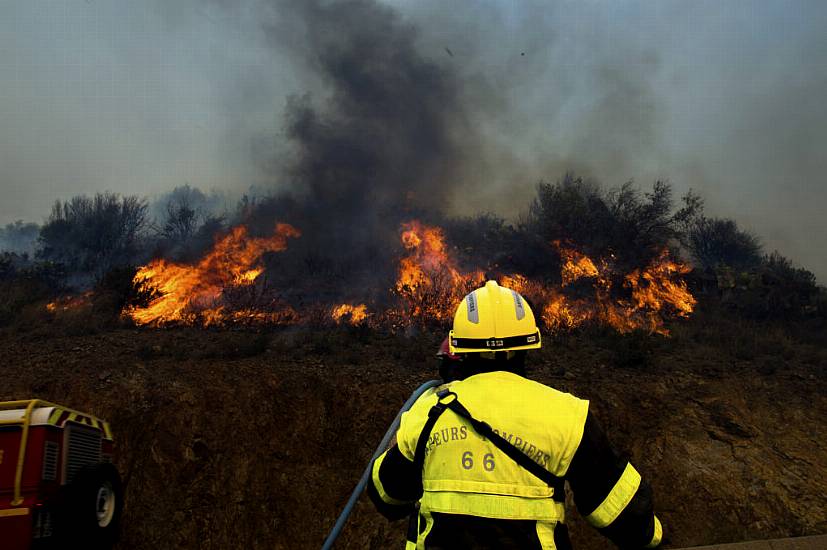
242,438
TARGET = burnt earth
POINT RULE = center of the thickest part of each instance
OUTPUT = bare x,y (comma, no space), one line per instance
241,439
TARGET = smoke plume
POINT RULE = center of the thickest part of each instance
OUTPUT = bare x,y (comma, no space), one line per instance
377,146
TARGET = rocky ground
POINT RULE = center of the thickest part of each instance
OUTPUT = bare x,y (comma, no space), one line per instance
245,439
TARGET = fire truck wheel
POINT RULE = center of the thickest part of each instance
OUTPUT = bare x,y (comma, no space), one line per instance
92,507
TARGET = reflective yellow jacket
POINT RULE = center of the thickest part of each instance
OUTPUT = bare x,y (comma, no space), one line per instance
468,487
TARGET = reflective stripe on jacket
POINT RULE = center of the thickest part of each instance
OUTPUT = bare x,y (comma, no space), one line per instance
470,494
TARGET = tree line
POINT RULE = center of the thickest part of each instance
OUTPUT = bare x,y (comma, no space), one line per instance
85,239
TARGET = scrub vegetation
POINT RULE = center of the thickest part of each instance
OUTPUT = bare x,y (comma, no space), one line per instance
98,243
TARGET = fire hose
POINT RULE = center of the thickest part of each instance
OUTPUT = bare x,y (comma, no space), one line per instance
363,482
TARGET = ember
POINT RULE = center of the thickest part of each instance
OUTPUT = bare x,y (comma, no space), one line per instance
69,303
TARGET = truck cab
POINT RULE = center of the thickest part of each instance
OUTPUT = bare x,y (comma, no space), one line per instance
58,485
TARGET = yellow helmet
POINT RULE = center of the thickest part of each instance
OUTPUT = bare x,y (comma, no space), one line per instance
493,318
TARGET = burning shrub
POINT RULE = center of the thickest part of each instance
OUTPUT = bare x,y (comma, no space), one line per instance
589,292
429,282
218,287
598,293
354,315
229,285
188,223
117,291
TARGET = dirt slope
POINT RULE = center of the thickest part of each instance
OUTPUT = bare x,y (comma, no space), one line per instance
243,440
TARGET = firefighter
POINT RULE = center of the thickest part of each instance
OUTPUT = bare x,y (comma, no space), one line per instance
481,461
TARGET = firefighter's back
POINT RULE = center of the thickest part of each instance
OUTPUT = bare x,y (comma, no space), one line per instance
473,493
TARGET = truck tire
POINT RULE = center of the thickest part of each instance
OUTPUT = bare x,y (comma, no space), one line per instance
91,510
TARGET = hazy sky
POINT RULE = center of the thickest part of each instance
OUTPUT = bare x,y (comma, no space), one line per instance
727,98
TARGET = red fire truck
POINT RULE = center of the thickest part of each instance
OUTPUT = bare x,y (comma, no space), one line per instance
58,486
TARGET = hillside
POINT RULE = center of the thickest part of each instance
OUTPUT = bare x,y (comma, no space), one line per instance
255,439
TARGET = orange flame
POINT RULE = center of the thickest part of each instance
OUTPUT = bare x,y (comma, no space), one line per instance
656,292
575,265
194,291
516,282
431,285
429,281
355,315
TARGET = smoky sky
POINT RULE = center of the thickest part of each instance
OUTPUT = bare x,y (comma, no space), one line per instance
139,97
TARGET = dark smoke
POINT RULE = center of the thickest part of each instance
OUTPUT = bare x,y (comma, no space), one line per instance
378,149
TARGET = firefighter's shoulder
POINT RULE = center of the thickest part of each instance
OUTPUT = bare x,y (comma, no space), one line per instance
517,393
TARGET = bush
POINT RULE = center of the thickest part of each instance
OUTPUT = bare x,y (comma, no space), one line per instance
94,235
486,240
644,223
181,222
117,290
789,289
572,209
623,221
715,243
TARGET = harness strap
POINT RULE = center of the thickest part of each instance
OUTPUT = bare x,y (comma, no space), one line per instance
422,444
485,430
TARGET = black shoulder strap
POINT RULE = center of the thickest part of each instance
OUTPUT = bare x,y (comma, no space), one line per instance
486,431
422,443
